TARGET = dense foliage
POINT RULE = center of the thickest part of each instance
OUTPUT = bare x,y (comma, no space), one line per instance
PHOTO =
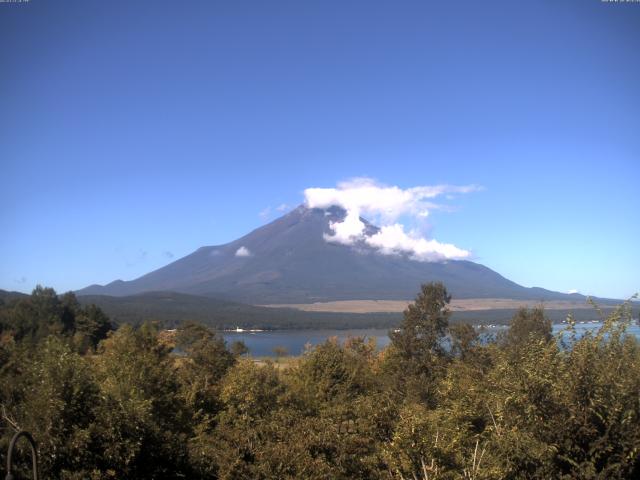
438,403
171,308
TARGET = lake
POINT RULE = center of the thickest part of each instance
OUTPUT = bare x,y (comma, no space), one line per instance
261,344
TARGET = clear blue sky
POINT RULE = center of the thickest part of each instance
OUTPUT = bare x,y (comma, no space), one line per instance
134,132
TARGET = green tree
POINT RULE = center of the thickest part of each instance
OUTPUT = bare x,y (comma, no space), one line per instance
424,325
417,355
58,398
330,373
529,325
206,350
45,313
142,423
464,340
91,326
239,348
41,314
200,372
251,394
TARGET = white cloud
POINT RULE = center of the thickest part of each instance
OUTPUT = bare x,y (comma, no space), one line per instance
385,205
368,197
573,290
393,239
243,252
347,231
265,213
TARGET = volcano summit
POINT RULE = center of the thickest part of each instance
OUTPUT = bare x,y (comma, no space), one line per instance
290,260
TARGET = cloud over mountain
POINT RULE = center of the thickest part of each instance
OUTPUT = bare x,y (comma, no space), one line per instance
386,205
289,261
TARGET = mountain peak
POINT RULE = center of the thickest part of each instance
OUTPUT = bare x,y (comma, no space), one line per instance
293,260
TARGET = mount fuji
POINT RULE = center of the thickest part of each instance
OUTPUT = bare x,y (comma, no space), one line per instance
290,261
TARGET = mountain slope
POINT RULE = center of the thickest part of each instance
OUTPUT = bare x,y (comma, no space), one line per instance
171,309
289,261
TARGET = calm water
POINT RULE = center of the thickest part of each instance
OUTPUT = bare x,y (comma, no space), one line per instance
261,344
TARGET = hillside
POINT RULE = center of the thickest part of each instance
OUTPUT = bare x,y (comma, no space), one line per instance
172,308
289,261
7,296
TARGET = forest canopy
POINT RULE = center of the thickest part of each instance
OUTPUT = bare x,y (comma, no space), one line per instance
439,402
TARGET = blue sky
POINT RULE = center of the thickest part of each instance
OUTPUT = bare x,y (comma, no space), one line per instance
132,133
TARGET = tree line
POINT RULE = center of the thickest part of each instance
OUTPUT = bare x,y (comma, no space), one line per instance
437,403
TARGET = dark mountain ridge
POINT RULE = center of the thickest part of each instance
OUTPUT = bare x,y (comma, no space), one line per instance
171,309
289,261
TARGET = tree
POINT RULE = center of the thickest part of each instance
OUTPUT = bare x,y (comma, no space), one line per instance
416,354
45,313
527,326
58,406
206,350
239,348
425,324
207,361
463,340
330,373
142,423
92,325
38,316
250,394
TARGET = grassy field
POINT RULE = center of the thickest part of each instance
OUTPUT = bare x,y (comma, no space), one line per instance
457,305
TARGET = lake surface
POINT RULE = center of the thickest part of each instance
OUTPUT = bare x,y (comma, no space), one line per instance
261,344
